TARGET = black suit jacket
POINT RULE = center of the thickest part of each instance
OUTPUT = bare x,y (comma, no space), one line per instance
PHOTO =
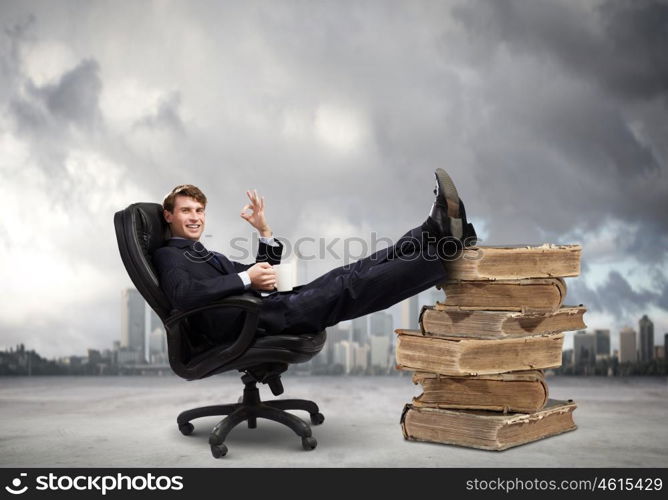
191,276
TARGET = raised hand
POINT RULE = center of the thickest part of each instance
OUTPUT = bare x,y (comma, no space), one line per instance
256,216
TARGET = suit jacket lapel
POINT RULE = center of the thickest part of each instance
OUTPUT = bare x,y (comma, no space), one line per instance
213,261
224,262
196,252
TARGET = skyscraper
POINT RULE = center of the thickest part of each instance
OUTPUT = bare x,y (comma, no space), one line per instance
335,334
133,322
567,358
381,340
344,355
646,344
584,351
381,352
362,356
157,346
602,343
155,321
381,324
361,330
409,313
628,352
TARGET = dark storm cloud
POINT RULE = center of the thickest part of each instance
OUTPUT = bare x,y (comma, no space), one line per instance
569,143
11,38
647,243
637,37
615,296
166,115
14,34
55,118
662,300
73,99
621,44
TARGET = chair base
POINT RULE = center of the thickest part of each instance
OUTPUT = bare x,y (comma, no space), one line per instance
250,409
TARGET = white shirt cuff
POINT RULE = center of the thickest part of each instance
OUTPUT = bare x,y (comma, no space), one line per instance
269,241
245,278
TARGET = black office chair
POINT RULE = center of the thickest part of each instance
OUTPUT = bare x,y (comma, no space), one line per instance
140,230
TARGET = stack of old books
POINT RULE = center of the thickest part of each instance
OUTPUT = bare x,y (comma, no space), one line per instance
480,354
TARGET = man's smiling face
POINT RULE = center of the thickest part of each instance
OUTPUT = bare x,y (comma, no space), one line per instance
187,219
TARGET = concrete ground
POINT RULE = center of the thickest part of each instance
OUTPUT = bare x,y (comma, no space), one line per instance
130,422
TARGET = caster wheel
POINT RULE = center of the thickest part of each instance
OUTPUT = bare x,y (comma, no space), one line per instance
309,443
317,418
187,428
218,450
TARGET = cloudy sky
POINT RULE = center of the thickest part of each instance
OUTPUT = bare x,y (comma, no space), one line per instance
551,117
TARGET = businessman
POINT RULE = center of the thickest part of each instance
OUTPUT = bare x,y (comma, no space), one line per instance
191,275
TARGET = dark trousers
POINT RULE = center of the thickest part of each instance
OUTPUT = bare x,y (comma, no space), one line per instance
371,284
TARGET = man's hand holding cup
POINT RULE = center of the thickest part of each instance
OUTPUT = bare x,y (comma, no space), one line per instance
262,276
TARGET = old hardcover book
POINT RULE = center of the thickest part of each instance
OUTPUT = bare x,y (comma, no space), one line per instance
516,262
467,356
523,392
530,295
484,429
498,324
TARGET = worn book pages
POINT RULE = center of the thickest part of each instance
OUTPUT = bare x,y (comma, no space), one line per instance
505,392
451,322
526,295
486,430
467,356
516,262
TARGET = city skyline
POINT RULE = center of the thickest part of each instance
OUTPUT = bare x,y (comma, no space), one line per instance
364,345
404,315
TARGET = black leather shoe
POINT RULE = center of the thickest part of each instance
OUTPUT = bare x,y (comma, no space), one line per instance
470,238
448,215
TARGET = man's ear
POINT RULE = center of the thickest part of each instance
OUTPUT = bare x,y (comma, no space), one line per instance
168,216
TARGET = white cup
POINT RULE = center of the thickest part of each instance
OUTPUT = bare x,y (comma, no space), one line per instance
286,276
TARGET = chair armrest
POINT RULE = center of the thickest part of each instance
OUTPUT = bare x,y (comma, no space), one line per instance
249,302
218,356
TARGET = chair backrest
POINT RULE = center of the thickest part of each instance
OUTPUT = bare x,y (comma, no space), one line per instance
140,230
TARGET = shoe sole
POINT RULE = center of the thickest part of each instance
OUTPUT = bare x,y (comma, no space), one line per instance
447,187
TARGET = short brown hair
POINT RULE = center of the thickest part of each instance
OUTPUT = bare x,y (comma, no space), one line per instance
183,190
